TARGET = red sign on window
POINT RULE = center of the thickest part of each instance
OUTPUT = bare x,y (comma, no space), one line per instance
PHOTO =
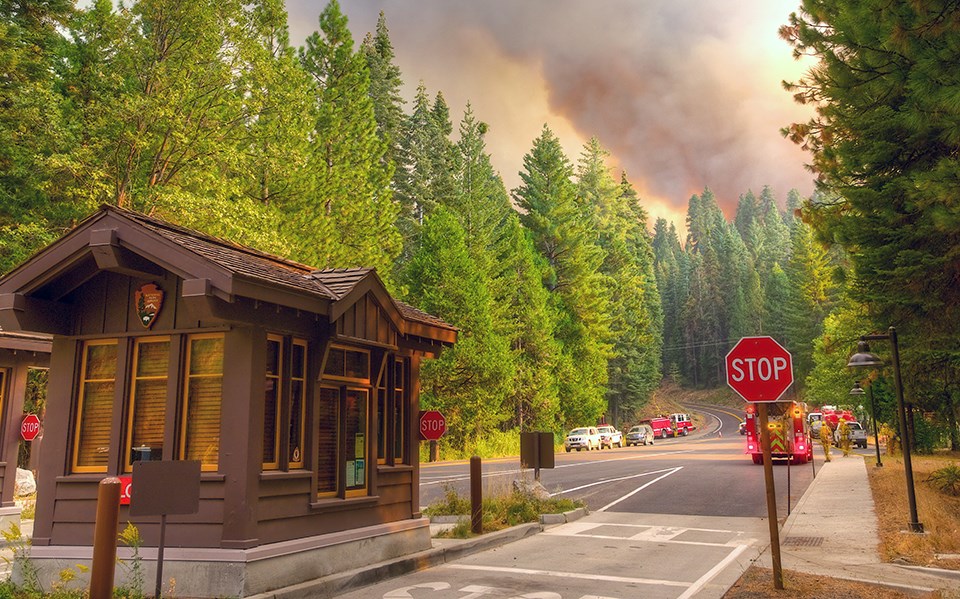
126,489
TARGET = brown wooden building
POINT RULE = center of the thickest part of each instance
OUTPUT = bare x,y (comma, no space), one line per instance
19,353
296,389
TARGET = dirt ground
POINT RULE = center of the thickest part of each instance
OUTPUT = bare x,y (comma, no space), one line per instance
758,582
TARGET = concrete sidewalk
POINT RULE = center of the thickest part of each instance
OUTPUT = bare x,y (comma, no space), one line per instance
833,532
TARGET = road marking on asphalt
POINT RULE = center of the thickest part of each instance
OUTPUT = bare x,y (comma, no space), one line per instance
703,580
555,574
669,471
642,487
440,479
650,533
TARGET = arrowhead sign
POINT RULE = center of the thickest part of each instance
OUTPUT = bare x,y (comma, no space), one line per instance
759,369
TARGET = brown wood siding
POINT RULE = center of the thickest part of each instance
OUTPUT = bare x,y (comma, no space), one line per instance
75,507
366,320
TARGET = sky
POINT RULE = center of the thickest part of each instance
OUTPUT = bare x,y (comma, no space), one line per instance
684,94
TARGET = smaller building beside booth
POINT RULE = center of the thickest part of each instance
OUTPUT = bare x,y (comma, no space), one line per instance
19,353
296,389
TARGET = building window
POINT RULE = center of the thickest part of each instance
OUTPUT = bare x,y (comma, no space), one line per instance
327,434
148,401
348,364
382,418
298,401
203,390
3,387
355,439
399,411
98,375
271,403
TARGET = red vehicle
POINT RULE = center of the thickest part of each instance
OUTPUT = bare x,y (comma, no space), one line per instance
832,416
662,427
789,437
682,424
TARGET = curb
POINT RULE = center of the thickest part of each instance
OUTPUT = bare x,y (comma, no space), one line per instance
445,550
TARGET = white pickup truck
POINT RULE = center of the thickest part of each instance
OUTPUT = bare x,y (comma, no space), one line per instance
858,435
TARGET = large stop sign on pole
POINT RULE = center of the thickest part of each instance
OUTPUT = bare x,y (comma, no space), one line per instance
759,369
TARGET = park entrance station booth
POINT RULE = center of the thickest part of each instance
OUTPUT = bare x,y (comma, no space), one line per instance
296,389
19,353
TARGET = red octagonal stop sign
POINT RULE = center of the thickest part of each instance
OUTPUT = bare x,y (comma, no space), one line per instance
759,369
30,427
432,425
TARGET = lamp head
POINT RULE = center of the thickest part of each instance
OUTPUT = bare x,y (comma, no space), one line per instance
857,389
864,358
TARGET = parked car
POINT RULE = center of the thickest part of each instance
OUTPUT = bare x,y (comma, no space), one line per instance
681,423
743,428
642,434
610,437
660,425
858,436
587,437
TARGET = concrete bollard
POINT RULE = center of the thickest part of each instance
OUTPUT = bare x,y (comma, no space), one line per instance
105,539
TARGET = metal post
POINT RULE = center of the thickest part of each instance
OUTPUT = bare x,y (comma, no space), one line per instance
914,524
876,433
476,496
771,497
105,539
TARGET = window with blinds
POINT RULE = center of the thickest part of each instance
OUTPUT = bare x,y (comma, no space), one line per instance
271,403
98,375
298,401
203,390
328,456
148,401
3,387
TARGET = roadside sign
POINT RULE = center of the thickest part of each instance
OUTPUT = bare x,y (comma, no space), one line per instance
30,427
432,425
759,369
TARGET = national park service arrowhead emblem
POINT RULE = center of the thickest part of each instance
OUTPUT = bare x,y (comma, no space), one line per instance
149,298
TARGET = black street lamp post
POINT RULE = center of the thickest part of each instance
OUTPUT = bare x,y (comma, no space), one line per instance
858,390
864,359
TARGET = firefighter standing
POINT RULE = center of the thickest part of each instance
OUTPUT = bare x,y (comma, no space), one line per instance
826,438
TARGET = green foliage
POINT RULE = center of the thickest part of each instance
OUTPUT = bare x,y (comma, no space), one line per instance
130,536
884,143
928,436
499,510
25,577
946,479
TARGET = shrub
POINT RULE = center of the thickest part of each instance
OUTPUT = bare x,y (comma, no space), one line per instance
946,479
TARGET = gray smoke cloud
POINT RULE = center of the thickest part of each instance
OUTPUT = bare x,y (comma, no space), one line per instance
684,93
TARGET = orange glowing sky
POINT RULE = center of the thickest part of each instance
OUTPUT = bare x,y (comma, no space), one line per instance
685,94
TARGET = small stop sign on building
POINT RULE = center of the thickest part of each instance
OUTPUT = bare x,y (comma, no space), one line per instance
432,425
759,369
30,427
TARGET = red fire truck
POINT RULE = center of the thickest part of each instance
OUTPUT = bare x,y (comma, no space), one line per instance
789,437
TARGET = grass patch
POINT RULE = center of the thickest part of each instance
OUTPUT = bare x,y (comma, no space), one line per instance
758,582
938,511
500,510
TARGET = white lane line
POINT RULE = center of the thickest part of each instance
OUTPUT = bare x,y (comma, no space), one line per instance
599,577
613,480
641,487
703,580
440,479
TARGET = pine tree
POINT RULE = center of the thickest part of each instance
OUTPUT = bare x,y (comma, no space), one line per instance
385,85
578,288
351,207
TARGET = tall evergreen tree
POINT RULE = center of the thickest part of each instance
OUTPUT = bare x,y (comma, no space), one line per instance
352,204
470,381
885,143
578,288
385,85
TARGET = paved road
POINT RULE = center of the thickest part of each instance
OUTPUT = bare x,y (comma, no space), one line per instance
682,518
705,474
